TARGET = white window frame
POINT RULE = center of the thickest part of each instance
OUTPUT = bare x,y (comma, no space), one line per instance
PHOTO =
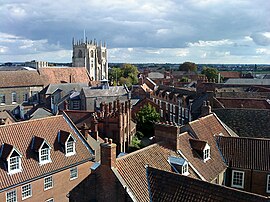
70,147
48,182
16,164
14,98
206,153
46,152
161,113
14,196
3,99
234,172
185,169
27,193
25,97
74,173
268,184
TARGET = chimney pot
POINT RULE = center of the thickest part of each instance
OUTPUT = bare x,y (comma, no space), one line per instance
110,141
106,140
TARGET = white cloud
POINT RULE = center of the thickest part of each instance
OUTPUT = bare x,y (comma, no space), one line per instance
144,30
201,43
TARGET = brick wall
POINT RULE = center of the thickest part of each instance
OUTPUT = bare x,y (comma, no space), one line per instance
62,185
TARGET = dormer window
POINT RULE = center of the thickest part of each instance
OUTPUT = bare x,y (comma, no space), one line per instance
67,141
202,148
70,146
42,148
14,163
179,165
206,153
12,157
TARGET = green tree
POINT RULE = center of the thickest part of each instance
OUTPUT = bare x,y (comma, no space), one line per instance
146,118
188,67
126,74
115,74
210,73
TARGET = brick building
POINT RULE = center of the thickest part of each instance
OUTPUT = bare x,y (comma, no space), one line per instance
42,160
173,103
113,120
249,165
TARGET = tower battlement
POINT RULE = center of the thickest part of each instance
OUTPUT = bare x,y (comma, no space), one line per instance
91,55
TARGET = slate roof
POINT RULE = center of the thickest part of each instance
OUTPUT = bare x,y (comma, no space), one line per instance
20,79
155,75
166,186
246,153
111,92
56,75
131,168
243,81
65,87
20,136
246,122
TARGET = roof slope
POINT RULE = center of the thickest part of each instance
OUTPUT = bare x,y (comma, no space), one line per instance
131,168
112,91
166,186
56,75
210,169
205,129
247,153
20,135
20,79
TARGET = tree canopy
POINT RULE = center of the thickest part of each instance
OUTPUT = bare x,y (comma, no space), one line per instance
146,118
188,67
126,74
210,73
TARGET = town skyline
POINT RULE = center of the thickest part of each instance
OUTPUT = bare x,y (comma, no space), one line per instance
212,31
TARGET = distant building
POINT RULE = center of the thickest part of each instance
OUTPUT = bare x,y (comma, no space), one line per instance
36,64
93,57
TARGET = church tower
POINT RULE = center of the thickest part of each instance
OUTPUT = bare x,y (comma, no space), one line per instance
92,56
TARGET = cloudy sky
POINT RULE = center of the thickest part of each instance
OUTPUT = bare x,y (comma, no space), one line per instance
138,31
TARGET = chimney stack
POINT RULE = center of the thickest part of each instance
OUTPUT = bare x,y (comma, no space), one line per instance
108,153
206,108
168,133
84,130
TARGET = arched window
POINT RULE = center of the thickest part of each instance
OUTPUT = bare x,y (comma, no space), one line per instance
92,53
80,54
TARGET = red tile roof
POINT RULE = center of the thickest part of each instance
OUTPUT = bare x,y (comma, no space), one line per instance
246,153
251,103
131,168
205,129
54,75
230,74
20,135
167,186
20,79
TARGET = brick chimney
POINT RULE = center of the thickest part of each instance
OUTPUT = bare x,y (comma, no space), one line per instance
168,133
108,153
84,130
206,108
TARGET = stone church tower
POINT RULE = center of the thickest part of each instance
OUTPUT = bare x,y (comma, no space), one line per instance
92,56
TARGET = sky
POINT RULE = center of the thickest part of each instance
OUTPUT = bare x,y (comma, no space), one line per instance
138,31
